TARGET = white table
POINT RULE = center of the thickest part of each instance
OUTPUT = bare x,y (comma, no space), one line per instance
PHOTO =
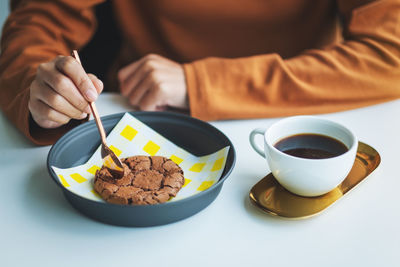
38,227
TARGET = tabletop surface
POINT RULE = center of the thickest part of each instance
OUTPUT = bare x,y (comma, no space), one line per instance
38,227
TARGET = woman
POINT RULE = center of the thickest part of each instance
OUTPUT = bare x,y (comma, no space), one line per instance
218,59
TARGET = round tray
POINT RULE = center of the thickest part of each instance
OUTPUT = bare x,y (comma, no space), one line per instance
195,136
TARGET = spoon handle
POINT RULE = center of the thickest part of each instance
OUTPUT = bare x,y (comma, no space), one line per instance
93,108
98,122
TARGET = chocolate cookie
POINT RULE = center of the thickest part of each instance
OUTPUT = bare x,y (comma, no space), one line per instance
147,180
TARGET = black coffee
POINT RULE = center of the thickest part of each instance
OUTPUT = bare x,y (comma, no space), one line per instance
311,146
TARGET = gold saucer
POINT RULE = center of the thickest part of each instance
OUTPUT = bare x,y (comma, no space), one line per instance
271,197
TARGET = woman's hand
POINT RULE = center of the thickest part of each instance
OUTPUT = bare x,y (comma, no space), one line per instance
61,91
154,83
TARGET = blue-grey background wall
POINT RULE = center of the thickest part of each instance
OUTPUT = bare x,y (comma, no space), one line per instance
4,9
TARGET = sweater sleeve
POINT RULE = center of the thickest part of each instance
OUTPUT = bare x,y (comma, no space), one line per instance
36,32
362,70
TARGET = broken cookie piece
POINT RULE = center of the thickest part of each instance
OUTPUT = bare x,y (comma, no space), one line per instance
147,180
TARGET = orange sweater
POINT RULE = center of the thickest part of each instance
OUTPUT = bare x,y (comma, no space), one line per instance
242,58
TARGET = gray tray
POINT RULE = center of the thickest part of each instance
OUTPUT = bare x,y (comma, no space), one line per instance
193,135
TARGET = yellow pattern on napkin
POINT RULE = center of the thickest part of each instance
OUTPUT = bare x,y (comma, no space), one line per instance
131,137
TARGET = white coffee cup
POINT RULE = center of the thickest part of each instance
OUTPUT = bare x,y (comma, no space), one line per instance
303,176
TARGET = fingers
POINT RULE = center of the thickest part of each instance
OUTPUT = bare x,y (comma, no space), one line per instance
98,84
44,115
154,83
125,72
153,100
62,85
55,93
141,89
56,101
72,69
133,74
52,118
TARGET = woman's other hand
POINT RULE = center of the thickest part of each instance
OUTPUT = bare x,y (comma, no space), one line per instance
154,83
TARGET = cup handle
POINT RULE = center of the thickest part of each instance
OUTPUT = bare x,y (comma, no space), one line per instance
253,143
